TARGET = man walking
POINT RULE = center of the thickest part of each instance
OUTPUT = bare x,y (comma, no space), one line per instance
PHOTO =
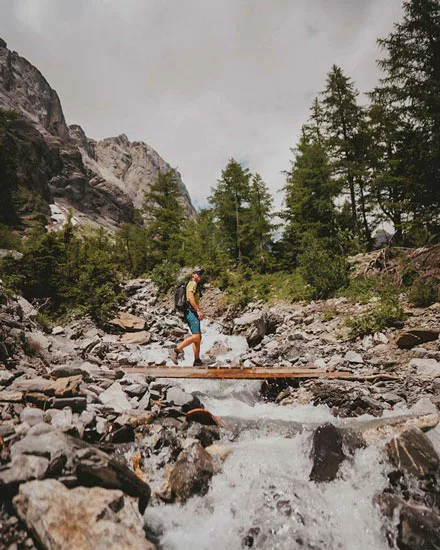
192,316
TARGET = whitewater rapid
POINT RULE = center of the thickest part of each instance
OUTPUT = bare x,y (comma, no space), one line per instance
263,498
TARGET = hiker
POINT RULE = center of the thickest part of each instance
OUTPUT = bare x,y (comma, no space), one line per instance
193,316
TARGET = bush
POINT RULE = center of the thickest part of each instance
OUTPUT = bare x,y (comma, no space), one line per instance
388,313
165,275
322,269
424,293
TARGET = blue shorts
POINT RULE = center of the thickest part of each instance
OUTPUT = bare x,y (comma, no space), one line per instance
192,321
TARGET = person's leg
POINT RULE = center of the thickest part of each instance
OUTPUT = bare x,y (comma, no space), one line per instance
196,346
187,342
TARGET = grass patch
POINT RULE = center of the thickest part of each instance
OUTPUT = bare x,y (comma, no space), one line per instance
387,313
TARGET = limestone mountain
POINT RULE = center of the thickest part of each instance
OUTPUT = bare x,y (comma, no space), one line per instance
102,181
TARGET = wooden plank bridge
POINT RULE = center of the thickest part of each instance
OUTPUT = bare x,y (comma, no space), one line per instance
256,373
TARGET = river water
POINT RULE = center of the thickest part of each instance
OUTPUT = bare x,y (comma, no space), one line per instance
262,498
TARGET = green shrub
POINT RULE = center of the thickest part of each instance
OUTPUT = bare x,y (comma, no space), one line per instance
165,275
387,313
424,292
323,270
44,321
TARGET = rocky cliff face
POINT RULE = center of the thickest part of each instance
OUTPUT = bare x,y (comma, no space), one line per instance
103,181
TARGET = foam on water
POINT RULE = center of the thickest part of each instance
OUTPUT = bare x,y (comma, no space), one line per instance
263,497
264,491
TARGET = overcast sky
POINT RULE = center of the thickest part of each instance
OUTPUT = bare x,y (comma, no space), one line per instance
200,81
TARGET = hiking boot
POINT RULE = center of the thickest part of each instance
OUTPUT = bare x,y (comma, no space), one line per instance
175,354
198,363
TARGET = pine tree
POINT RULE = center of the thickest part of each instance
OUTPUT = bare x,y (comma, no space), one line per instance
347,144
411,87
260,226
310,194
230,202
164,215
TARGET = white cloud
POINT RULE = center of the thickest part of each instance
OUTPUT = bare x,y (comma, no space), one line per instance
199,80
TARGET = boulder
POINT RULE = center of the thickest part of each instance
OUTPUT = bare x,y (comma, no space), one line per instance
31,416
414,337
80,518
425,369
128,322
192,473
22,468
180,398
253,325
140,338
6,377
413,452
327,453
63,387
115,397
418,527
353,357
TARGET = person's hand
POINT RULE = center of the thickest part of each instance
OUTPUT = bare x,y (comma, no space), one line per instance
200,315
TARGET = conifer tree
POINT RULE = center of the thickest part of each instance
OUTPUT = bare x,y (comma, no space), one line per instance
411,86
260,226
310,193
164,215
347,143
230,202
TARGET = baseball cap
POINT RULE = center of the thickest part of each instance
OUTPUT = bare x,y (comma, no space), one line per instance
199,271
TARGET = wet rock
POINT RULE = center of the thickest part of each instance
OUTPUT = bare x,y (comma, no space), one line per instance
415,337
205,434
79,518
115,398
327,453
425,369
418,527
413,452
192,473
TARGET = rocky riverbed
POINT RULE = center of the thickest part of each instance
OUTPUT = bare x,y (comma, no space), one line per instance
92,457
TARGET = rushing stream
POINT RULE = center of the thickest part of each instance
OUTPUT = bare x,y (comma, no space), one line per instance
262,498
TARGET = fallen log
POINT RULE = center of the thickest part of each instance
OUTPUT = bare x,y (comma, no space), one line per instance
257,373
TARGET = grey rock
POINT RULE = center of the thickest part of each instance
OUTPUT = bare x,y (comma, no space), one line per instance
425,369
327,453
31,416
81,518
115,398
23,468
418,526
58,330
413,452
391,397
62,420
6,377
28,309
192,473
353,357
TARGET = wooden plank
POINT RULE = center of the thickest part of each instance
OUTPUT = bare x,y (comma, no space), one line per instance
257,373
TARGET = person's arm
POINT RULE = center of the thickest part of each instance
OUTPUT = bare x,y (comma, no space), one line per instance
192,301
